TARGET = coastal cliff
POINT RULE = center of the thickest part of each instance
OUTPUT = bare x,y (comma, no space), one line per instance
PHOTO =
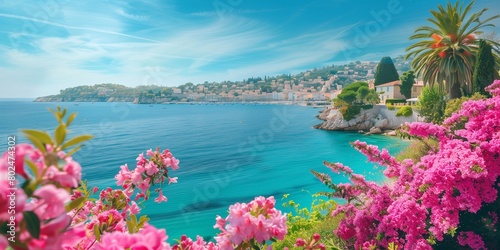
374,120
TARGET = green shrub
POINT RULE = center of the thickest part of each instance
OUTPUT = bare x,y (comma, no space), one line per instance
454,105
431,104
303,223
417,149
404,111
350,112
368,106
393,101
390,106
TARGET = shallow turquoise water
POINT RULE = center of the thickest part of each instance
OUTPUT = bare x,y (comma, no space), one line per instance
228,153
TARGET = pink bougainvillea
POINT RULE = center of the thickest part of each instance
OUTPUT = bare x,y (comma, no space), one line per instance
425,200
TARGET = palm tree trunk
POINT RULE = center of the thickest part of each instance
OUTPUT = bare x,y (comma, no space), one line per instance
455,91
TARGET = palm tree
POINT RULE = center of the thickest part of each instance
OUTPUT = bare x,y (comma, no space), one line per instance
446,52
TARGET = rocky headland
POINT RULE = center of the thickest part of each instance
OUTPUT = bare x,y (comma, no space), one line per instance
376,120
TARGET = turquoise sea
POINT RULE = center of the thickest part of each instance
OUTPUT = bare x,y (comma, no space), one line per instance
228,153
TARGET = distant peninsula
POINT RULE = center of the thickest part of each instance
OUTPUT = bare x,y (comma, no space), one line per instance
312,85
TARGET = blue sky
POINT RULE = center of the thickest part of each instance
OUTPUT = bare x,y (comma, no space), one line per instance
48,45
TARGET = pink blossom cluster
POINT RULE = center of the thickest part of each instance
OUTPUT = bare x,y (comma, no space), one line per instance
187,243
471,239
255,222
147,238
147,173
51,183
425,199
57,174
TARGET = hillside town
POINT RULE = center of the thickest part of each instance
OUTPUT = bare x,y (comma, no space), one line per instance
318,85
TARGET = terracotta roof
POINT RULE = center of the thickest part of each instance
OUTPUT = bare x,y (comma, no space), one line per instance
397,82
419,83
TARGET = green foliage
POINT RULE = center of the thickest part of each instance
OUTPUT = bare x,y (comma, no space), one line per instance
266,88
32,223
454,105
303,222
392,101
418,149
407,81
484,71
445,51
42,139
386,71
362,93
390,106
134,225
432,104
348,96
354,86
350,112
373,97
404,111
346,100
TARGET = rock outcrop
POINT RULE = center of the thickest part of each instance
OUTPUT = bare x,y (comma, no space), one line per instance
375,120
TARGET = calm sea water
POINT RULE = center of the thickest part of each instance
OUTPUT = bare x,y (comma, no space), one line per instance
228,153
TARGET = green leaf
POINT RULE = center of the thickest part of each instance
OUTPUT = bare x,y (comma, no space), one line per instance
33,167
55,113
110,219
63,113
76,140
97,232
70,119
74,150
142,220
75,203
32,223
37,143
42,136
130,226
27,187
133,217
60,133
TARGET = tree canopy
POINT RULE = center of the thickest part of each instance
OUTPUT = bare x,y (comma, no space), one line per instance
445,52
407,81
484,71
386,71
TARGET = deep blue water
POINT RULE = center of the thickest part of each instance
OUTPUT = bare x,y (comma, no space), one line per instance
228,153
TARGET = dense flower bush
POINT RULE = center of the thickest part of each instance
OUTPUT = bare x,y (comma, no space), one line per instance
449,197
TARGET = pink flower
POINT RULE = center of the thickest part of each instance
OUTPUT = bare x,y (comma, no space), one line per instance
151,168
258,220
51,201
134,209
160,197
147,238
172,180
471,239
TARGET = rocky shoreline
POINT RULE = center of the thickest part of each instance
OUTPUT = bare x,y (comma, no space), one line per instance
377,120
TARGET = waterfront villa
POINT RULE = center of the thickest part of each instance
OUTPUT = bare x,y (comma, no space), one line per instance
390,90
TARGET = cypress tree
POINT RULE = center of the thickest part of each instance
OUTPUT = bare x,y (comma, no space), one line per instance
484,70
386,71
407,81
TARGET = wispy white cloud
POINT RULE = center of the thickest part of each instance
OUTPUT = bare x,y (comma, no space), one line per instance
70,27
158,42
